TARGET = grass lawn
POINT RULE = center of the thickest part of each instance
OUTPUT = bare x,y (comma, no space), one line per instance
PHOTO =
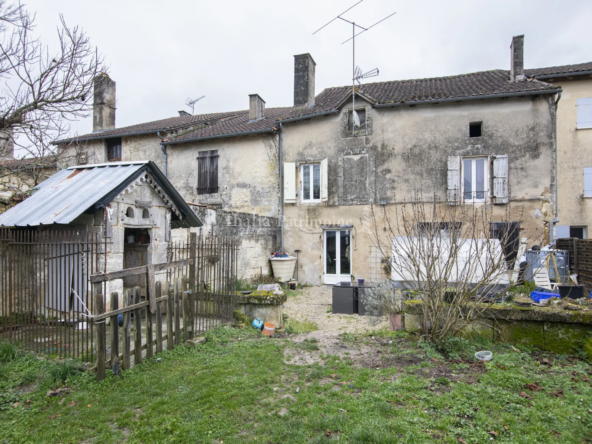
237,388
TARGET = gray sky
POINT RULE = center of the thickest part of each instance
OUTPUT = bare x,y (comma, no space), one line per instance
160,53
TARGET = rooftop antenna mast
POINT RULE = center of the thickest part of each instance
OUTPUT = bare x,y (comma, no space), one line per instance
191,103
357,73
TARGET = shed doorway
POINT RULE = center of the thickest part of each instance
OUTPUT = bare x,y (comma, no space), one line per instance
337,256
136,253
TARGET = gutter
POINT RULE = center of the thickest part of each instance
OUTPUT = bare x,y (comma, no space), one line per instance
220,136
556,219
100,136
309,116
468,98
281,165
567,74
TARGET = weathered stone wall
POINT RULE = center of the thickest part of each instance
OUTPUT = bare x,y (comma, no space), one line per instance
405,157
17,181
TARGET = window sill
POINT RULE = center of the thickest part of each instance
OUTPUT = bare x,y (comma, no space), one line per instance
310,202
587,128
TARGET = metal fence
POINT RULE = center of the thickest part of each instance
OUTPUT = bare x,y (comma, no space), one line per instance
46,293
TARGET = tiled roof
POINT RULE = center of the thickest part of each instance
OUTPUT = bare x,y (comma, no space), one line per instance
206,126
555,70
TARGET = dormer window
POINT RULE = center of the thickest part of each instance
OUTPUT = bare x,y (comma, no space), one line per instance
114,149
356,122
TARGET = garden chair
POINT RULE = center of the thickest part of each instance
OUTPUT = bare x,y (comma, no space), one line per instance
541,279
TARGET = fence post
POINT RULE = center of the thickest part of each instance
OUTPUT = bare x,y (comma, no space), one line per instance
177,313
114,334
192,286
170,312
157,294
185,306
127,346
101,339
149,338
138,327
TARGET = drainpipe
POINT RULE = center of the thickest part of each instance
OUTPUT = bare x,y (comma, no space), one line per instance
281,162
556,219
164,153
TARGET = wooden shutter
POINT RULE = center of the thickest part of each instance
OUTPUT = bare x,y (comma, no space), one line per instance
453,191
207,172
324,180
213,176
584,113
587,182
290,182
501,187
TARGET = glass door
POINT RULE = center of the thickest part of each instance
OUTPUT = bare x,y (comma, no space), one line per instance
337,256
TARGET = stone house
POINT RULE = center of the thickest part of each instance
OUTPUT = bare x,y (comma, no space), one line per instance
574,143
467,139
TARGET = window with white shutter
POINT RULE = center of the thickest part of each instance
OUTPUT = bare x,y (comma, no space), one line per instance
453,193
289,182
501,188
310,182
584,106
587,182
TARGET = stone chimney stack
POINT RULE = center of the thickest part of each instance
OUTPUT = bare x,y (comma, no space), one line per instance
256,107
6,145
104,103
304,81
517,48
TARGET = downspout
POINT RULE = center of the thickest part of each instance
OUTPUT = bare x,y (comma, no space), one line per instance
556,219
281,163
164,153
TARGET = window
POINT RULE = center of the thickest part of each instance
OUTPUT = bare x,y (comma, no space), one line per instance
114,149
356,127
584,106
570,231
310,180
475,179
129,212
577,232
145,213
207,167
475,129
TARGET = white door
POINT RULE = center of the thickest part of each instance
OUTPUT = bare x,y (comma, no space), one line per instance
337,257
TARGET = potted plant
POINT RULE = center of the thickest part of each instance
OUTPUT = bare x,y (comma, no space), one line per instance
282,265
385,300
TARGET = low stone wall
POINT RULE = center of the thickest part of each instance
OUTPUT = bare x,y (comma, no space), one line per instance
552,329
263,305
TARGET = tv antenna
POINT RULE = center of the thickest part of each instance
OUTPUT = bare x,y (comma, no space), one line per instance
191,103
357,73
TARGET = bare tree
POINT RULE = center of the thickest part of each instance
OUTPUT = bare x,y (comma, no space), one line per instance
42,91
444,256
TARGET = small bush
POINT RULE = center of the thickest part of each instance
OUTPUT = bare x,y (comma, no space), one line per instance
8,352
296,327
63,371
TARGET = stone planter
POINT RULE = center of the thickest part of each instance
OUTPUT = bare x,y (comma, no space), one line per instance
263,305
283,267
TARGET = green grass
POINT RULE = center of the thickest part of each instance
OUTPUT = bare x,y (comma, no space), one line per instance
236,388
296,327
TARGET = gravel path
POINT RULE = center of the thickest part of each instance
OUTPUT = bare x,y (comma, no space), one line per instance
312,305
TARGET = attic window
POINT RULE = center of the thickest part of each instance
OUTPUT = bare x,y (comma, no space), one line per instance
145,213
356,127
475,129
114,149
129,212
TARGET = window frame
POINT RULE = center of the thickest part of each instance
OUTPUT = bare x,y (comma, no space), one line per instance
486,175
207,160
311,179
112,143
363,131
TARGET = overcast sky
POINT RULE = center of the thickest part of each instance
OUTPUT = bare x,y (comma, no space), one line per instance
160,52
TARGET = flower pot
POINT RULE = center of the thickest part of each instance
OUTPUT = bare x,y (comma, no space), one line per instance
283,267
571,291
395,322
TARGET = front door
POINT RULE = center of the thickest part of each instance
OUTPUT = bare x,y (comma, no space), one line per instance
337,256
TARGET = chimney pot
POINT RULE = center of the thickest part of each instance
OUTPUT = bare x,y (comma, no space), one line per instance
304,81
256,107
104,103
517,68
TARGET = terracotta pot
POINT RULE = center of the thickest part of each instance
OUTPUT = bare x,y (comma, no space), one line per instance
395,322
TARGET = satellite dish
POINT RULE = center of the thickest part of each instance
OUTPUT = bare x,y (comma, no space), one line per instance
356,119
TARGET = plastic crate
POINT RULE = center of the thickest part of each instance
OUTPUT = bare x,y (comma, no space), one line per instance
538,296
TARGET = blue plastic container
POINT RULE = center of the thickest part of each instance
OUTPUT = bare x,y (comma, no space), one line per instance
257,323
539,296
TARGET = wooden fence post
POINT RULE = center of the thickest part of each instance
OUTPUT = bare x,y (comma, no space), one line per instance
177,314
101,337
114,334
138,327
149,338
170,312
185,306
192,286
127,346
157,294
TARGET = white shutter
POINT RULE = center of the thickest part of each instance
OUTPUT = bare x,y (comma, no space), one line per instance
289,182
561,231
501,194
453,193
587,182
584,113
324,180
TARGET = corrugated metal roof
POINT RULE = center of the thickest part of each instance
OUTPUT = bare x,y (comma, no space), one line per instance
72,191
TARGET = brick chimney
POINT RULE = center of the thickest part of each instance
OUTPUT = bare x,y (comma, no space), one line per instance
104,103
517,49
256,107
304,81
6,145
